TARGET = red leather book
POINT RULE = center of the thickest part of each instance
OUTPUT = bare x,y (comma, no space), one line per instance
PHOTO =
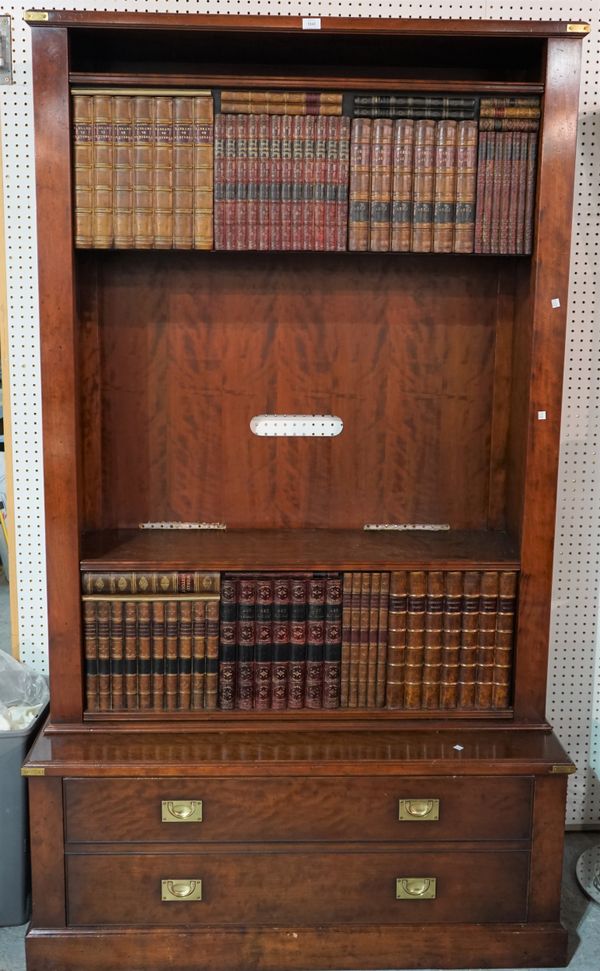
275,183
315,641
281,642
507,182
363,655
286,182
360,182
332,656
264,182
332,178
241,183
198,654
481,215
532,140
498,141
346,639
227,642
230,205
297,666
253,184
354,640
343,187
320,180
263,651
211,675
297,205
308,185
219,183
245,637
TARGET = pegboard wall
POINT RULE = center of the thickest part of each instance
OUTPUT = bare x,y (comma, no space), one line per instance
574,691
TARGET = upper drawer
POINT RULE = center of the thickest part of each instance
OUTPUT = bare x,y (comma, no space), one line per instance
242,810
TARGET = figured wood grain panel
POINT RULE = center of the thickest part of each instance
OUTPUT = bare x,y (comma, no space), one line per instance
47,851
547,848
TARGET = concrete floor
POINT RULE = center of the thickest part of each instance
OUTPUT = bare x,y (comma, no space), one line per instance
580,915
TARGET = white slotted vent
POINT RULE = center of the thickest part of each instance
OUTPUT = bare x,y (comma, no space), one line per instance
574,689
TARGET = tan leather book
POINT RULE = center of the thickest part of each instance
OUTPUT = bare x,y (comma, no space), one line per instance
346,639
396,652
432,653
354,640
444,192
117,701
183,173
363,654
203,172
469,639
381,185
144,148
123,172
103,641
503,652
374,602
91,655
466,187
488,613
415,638
102,223
360,184
423,185
402,185
451,636
184,672
143,615
171,654
163,174
130,674
212,654
198,653
83,168
382,640
157,645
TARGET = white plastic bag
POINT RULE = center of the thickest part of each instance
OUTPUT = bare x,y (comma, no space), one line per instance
23,694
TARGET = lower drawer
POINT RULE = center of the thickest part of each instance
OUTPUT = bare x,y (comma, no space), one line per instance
301,888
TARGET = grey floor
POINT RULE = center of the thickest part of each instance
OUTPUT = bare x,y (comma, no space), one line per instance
580,915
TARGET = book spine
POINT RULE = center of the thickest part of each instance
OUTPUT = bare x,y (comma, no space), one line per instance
123,172
163,174
298,130
220,184
451,630
183,173
509,124
402,186
308,185
227,644
263,656
315,641
488,611
184,673
253,184
481,201
203,172
360,167
137,582
297,667
423,183
354,640
171,654
396,652
380,191
497,162
332,656
417,114
415,638
503,651
240,233
509,101
363,656
157,644
264,179
374,604
488,193
130,664
211,676
103,642
144,666
530,181
332,179
117,694
513,204
144,147
275,235
83,161
245,637
102,223
508,176
286,182
346,639
320,180
198,671
281,102
417,102
518,114
382,640
281,642
343,183
444,193
469,639
90,641
466,187
432,652
230,194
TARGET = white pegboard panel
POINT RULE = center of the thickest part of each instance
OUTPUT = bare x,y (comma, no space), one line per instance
574,691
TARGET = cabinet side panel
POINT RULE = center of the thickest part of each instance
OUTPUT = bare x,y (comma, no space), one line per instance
47,852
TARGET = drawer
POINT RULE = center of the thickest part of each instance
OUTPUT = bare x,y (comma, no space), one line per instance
307,809
305,888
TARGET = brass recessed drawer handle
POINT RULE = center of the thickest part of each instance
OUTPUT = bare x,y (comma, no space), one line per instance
421,809
181,810
181,889
416,888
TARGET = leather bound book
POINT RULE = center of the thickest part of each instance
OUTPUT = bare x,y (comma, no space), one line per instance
382,640
171,654
499,142
103,173
263,651
241,183
297,204
396,652
444,192
402,185
230,191
83,168
211,676
275,183
466,187
282,102
157,650
374,603
332,657
380,191
286,182
332,177
451,637
435,107
354,640
91,655
117,694
488,610
219,183
123,172
144,667
139,582
513,205
264,182
297,668
508,175
346,638
227,643
489,184
423,185
503,652
360,184
308,185
415,638
103,642
432,654
320,173
252,187
184,687
163,174
469,639
245,638
183,172
518,114
512,101
509,124
363,655
341,244
144,148
130,664
530,180
281,642
203,171
481,214
199,646
315,642
521,177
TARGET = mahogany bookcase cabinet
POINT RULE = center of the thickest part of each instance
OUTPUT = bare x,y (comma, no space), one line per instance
356,836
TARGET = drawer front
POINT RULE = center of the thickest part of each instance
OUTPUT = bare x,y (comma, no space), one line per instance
246,810
304,888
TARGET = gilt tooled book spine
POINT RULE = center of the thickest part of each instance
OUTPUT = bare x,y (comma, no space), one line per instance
416,101
332,178
281,102
432,653
275,236
354,640
451,636
144,149
481,215
117,694
263,652
123,172
130,658
320,173
253,180
199,638
423,186
183,173
138,582
415,638
157,646
402,180
315,643
219,183
286,182
509,101
363,655
466,187
281,642
382,640
203,172
211,677
103,641
346,639
518,114
380,192
144,664
297,666
184,672
343,183
488,611
308,185
444,192
435,108
230,177
297,205
360,183
332,654
469,639
497,161
513,206
396,651
90,641
227,644
530,188
374,604
163,174
509,124
83,161
171,654
521,192
503,651
264,180
507,182
102,223
245,636
241,183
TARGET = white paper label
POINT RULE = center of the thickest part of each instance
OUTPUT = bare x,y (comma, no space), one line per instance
311,23
555,303
541,416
